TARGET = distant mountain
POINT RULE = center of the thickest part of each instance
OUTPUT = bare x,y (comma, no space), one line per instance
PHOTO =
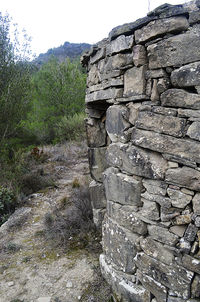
70,50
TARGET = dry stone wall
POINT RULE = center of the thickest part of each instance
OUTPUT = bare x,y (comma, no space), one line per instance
143,129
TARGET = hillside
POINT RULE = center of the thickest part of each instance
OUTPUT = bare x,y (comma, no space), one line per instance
70,50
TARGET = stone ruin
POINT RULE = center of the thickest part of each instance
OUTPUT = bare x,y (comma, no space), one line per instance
143,129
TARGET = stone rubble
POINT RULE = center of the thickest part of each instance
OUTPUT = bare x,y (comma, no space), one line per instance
143,129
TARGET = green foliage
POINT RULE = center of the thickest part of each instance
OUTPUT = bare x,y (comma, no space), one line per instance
58,92
7,203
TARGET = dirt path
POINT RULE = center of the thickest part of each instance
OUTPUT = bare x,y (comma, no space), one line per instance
31,270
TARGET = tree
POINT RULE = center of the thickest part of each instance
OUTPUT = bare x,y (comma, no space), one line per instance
58,91
14,81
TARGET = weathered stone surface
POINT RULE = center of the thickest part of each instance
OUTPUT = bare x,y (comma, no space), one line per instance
120,44
122,188
98,216
149,210
196,204
161,200
174,51
178,159
183,219
195,288
100,54
162,124
188,113
102,95
168,213
137,161
134,81
133,112
139,55
156,250
178,230
160,27
155,187
123,283
179,147
125,216
117,123
187,75
191,263
194,17
178,198
162,235
112,82
118,61
164,111
154,92
97,195
194,131
129,28
167,10
119,245
97,162
185,176
190,232
154,74
93,76
180,98
184,246
96,133
173,277
156,288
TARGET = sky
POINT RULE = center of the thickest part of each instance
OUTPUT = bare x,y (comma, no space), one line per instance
50,23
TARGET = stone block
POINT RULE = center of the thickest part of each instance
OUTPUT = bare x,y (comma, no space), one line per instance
196,204
194,131
169,213
100,54
181,148
103,95
93,77
178,230
122,188
119,245
185,177
135,160
139,55
164,111
120,44
174,51
194,17
156,288
98,216
119,61
133,112
123,284
155,187
187,75
134,81
188,113
162,124
154,74
97,195
180,98
195,287
178,198
191,232
150,210
96,133
117,123
174,277
162,235
191,263
160,27
126,217
156,250
183,219
97,162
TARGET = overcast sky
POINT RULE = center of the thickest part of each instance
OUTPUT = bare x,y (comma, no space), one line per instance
50,23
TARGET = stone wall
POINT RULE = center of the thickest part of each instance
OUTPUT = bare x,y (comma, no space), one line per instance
143,129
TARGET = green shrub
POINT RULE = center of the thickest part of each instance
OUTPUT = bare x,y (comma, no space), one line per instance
71,127
7,203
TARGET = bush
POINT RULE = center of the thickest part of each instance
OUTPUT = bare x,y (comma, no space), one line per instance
7,204
73,228
71,127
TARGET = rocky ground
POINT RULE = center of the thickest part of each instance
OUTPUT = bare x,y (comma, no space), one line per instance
33,268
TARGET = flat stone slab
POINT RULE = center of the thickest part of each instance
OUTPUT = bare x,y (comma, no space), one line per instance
180,98
174,51
137,161
187,75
